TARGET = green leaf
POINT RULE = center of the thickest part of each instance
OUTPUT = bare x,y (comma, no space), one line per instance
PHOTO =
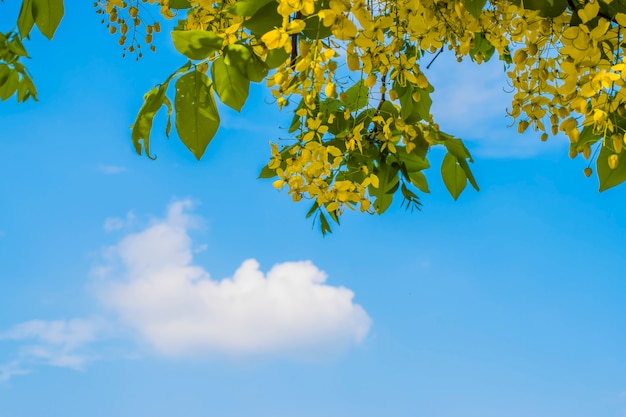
325,227
468,172
153,101
5,71
315,30
197,119
276,58
453,175
422,107
17,47
412,161
196,44
245,60
475,7
26,89
267,172
388,109
10,86
168,126
231,86
179,4
387,183
610,177
482,46
357,96
247,7
264,20
25,21
456,147
256,70
237,56
47,15
418,179
408,112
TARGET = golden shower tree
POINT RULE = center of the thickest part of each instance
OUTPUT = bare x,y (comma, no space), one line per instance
350,71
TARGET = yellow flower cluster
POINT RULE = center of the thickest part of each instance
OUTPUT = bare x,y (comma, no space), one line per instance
353,71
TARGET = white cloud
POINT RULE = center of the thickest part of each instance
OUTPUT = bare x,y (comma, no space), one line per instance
11,369
111,169
152,284
56,343
115,223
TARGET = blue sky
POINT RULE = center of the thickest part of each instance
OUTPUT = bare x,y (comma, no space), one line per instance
506,302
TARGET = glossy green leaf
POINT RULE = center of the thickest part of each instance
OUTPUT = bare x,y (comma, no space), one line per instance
245,60
248,7
196,44
231,86
412,161
418,179
610,177
453,175
475,7
256,70
468,172
237,55
25,21
264,20
357,96
153,101
47,15
456,147
197,119
276,58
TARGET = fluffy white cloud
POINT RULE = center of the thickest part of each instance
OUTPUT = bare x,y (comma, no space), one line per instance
151,282
55,343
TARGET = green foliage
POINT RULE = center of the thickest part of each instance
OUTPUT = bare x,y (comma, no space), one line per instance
231,85
14,78
362,127
197,118
46,14
196,44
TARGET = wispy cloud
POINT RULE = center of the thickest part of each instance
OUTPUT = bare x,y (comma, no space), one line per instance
111,169
152,284
116,223
57,343
11,369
